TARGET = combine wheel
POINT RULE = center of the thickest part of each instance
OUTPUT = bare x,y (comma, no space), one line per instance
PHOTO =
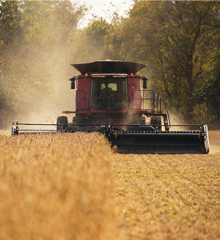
74,120
156,122
62,124
142,120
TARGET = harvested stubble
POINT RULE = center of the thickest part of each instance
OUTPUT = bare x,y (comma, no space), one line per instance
168,197
56,187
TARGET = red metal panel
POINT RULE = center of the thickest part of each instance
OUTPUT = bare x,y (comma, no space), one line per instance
134,93
83,94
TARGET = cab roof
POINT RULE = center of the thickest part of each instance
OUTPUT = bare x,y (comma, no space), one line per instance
109,66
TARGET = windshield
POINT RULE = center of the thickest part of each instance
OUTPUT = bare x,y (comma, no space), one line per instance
109,93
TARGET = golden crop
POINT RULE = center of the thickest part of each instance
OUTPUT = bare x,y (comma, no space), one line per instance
55,187
73,186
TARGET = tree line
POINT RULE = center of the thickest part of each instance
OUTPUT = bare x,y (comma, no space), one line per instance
178,41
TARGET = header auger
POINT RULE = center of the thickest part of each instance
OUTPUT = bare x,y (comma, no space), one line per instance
113,99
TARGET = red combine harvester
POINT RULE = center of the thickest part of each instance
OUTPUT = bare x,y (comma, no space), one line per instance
113,99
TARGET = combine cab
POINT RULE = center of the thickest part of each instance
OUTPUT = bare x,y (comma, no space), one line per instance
113,99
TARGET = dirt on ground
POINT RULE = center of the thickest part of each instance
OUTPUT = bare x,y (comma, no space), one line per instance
75,187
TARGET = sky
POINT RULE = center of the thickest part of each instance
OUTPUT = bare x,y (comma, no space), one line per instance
104,9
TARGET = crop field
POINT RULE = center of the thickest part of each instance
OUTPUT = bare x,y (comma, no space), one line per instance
169,196
69,187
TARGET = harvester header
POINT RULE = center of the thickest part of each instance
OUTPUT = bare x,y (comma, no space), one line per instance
112,99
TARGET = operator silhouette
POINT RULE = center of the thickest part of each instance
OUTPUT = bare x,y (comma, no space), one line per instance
106,96
106,92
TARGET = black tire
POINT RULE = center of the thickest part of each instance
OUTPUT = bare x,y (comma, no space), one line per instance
156,122
74,120
62,124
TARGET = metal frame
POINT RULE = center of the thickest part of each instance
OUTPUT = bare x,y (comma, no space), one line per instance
16,127
132,133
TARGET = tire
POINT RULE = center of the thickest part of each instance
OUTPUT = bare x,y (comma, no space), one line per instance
74,120
156,122
62,124
142,120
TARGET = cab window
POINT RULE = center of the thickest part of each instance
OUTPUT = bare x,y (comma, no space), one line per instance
109,93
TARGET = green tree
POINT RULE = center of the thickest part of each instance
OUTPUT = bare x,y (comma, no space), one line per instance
10,16
178,41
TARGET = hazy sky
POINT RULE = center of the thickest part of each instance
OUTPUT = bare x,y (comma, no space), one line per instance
104,8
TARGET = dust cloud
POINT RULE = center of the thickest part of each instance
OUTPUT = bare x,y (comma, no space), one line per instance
38,66
47,92
177,119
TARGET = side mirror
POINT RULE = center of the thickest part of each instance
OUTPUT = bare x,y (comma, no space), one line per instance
144,83
73,83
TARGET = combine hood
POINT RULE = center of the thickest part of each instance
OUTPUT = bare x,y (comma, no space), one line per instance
108,66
